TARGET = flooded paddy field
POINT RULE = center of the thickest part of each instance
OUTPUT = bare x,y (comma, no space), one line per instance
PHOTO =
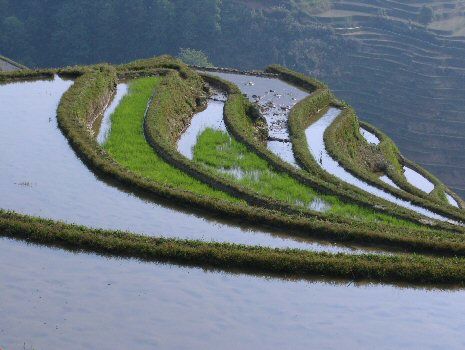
369,136
389,181
211,117
452,201
418,180
105,125
275,99
54,299
51,296
42,176
315,140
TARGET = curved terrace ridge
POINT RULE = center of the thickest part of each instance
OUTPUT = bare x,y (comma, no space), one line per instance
84,103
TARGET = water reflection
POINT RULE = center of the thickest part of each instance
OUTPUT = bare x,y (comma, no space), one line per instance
315,140
53,299
41,176
369,137
418,180
275,99
211,117
452,200
104,126
388,180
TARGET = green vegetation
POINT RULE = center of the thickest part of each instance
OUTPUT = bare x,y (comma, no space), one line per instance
284,262
242,127
346,144
127,145
308,111
179,91
406,79
194,57
100,161
168,115
230,158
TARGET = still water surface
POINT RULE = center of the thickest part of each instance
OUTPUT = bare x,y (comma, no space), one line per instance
418,180
105,125
275,99
53,299
315,139
41,176
210,118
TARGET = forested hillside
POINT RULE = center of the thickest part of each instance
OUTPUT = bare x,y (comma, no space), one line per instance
387,58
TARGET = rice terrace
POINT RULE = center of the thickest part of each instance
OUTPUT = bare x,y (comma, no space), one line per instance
224,180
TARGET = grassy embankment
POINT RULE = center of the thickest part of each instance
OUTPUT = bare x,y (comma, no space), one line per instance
408,237
87,97
308,111
367,161
127,145
415,269
168,116
13,63
242,128
221,153
72,116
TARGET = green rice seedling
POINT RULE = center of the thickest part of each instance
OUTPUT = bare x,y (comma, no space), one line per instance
231,158
127,145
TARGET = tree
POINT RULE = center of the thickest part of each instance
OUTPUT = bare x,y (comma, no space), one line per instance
194,57
426,15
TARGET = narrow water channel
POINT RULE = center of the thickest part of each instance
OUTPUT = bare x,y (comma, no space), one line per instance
388,180
42,176
369,136
418,180
275,99
105,125
211,117
315,140
53,299
452,201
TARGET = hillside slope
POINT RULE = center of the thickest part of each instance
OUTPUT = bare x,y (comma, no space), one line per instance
407,78
7,65
400,63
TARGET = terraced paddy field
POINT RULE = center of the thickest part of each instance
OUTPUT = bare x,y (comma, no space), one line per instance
141,191
405,76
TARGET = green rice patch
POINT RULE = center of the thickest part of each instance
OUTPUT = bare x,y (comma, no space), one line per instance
226,156
126,143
